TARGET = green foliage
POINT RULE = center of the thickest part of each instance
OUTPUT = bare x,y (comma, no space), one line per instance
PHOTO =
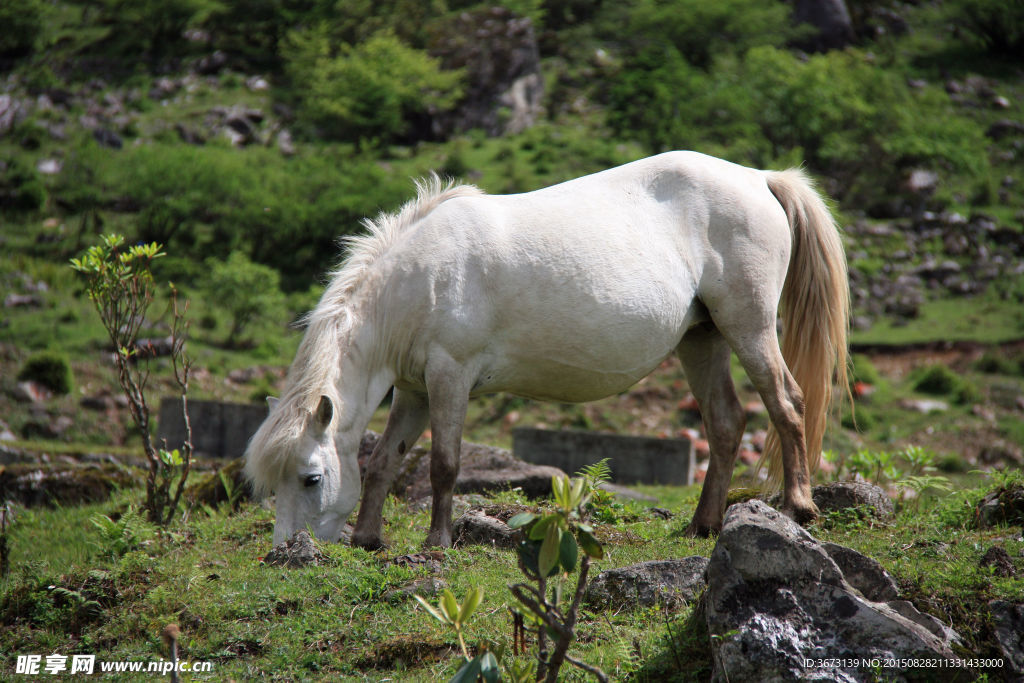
49,368
997,25
701,31
21,188
117,537
152,28
940,380
22,22
248,292
366,91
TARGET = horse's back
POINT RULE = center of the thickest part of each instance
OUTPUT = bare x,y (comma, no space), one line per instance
574,291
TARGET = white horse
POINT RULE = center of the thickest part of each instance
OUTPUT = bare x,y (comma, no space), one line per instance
570,293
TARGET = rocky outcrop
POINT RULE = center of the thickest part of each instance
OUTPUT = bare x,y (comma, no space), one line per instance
779,607
1008,624
33,484
503,83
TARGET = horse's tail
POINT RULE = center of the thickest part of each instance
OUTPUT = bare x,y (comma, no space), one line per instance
815,309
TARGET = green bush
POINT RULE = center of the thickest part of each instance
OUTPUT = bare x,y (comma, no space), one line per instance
365,92
248,292
49,368
21,188
22,22
939,380
997,25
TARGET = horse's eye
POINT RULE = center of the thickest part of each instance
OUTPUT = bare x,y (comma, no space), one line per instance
312,480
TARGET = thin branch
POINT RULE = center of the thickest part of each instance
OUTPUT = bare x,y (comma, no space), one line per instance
592,670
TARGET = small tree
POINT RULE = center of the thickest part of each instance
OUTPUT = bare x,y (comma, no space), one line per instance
120,285
246,291
550,548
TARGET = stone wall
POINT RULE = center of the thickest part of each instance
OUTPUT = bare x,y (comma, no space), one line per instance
219,430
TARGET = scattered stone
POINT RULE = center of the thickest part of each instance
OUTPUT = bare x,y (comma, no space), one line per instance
1004,505
924,405
108,138
298,551
1008,622
860,495
830,18
14,300
776,598
285,144
999,560
29,391
475,527
208,65
671,583
426,586
257,84
431,561
49,166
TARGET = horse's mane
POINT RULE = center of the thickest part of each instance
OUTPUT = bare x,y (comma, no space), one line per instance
314,372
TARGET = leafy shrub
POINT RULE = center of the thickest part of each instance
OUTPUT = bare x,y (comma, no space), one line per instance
366,91
939,380
23,23
998,25
249,292
21,188
152,28
49,368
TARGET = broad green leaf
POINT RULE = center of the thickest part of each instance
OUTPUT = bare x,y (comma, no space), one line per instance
468,673
449,605
539,530
470,603
427,606
577,492
549,550
490,670
568,552
591,546
522,519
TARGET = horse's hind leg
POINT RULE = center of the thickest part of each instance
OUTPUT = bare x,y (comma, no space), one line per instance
761,357
705,356
406,422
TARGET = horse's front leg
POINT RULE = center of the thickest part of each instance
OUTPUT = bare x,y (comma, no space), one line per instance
448,387
406,422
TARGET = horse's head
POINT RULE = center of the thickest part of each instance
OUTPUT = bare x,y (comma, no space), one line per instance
312,470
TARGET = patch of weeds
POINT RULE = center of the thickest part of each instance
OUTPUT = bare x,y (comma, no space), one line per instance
682,653
939,380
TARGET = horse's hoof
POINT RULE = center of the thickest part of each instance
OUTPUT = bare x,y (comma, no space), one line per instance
695,530
372,544
800,515
438,540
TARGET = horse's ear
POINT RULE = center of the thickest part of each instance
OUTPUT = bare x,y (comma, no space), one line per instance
324,413
271,402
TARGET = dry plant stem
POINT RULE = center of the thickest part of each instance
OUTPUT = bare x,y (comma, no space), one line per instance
569,627
182,366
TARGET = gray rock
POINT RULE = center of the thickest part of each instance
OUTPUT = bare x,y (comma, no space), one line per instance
863,573
1008,623
1001,506
776,599
843,495
830,17
298,551
476,528
671,583
427,586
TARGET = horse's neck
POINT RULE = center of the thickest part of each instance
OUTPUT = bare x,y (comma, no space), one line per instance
363,380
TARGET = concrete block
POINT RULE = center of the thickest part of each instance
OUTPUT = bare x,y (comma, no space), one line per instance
633,459
219,429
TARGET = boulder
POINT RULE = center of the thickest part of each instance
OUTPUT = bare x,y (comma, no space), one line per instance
33,484
476,527
671,583
844,495
778,607
863,573
832,20
1003,505
503,84
1008,624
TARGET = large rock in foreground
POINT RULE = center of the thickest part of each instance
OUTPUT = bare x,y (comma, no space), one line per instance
783,610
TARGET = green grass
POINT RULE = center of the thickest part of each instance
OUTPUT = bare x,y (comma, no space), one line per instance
985,320
338,621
